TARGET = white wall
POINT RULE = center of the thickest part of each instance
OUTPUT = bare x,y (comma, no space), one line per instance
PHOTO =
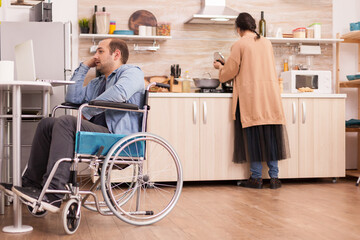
345,12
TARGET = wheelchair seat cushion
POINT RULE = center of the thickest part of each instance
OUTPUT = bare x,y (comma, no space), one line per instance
90,142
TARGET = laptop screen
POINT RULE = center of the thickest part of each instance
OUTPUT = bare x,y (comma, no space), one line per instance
25,61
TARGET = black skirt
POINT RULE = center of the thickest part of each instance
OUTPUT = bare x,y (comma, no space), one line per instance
260,143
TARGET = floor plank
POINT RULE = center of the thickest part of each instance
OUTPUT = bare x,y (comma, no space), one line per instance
302,209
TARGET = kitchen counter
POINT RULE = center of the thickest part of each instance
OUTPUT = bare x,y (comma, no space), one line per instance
229,95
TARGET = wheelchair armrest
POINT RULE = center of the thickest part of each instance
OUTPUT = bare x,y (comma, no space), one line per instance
70,105
122,105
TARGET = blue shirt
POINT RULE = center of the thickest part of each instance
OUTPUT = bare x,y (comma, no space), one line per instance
125,84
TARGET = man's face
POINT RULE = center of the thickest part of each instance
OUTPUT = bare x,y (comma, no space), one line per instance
103,59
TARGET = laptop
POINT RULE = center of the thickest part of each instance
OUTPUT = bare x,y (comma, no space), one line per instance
25,65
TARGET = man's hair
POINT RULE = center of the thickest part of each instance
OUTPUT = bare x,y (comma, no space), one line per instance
116,43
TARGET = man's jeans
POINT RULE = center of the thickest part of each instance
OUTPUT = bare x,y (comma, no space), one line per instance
256,169
54,139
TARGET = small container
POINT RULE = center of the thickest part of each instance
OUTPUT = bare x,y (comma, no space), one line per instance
148,30
299,32
286,66
309,32
317,30
102,22
142,30
112,27
163,29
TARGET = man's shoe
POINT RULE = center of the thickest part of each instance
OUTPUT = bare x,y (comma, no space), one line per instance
6,188
49,202
252,183
275,183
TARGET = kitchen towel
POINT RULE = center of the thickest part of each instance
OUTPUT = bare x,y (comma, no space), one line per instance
6,71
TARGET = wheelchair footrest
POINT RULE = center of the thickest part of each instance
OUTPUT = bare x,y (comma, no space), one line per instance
142,213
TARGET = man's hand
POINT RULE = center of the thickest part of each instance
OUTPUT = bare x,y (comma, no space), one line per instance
90,62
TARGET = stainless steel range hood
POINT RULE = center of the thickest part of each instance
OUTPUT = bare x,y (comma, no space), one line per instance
214,12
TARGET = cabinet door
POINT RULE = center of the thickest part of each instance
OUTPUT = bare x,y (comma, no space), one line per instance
177,121
217,141
289,168
322,138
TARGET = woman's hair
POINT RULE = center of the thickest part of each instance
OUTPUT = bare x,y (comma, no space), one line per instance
246,22
116,43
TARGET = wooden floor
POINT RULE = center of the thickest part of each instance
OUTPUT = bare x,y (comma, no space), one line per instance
304,209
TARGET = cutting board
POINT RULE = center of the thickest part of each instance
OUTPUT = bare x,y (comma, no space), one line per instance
141,17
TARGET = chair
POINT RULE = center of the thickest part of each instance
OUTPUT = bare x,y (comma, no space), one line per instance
136,177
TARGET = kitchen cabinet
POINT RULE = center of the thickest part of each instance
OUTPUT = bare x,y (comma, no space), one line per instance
351,37
316,137
201,132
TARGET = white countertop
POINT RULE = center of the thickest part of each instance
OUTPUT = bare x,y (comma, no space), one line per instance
229,95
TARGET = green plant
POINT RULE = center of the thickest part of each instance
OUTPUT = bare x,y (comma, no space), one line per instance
84,23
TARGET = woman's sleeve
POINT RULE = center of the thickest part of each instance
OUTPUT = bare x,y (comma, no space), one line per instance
232,65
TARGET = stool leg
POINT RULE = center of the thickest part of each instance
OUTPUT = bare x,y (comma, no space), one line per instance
358,181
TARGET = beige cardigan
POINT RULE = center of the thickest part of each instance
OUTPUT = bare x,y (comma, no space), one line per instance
252,66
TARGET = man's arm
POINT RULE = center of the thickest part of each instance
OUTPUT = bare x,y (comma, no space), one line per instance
127,84
76,93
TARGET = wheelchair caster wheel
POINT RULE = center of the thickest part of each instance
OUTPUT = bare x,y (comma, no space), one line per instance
38,214
70,219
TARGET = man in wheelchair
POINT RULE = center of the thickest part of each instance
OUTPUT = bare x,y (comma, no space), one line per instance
55,137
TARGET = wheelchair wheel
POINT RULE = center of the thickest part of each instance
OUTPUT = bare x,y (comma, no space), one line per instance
141,179
38,214
71,216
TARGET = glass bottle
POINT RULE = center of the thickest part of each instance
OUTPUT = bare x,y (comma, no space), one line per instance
286,66
94,29
262,25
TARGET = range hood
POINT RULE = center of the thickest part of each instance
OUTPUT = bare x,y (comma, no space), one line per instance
214,12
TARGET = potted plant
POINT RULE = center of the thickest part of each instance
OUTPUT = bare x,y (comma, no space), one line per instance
84,25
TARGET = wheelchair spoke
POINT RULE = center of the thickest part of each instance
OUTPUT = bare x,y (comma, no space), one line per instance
138,193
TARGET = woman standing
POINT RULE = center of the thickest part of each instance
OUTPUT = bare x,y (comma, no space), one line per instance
260,132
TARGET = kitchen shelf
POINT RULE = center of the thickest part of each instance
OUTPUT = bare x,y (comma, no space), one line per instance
305,40
350,129
350,84
124,37
351,37
353,173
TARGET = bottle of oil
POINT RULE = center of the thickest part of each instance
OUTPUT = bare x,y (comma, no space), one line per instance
94,20
262,25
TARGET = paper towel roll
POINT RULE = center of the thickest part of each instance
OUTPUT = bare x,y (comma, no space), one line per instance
6,71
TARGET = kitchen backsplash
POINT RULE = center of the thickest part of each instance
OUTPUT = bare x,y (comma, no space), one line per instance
192,45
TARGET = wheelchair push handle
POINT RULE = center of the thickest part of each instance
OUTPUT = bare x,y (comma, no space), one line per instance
153,84
163,85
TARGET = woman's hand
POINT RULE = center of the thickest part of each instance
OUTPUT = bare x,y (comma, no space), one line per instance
217,65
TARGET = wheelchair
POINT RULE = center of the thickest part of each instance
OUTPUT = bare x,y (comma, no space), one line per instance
137,177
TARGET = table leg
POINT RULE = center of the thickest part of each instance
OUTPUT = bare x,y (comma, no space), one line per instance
16,107
2,196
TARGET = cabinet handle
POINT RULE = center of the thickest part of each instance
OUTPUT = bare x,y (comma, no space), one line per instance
294,112
195,112
205,112
304,112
